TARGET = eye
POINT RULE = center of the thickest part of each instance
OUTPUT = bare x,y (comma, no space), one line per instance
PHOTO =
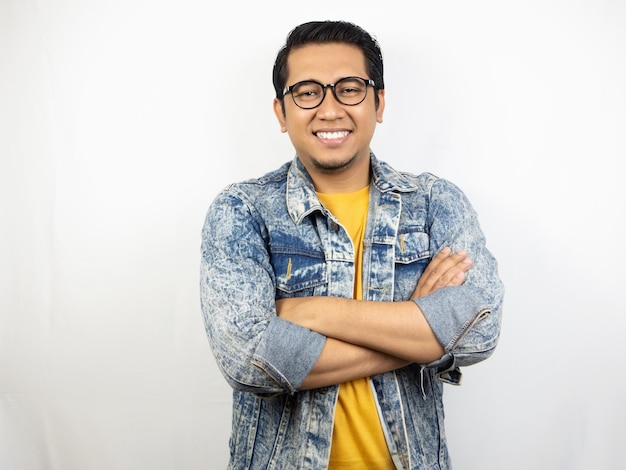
350,87
307,91
349,91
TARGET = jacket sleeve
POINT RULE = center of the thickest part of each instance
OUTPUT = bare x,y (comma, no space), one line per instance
465,319
255,350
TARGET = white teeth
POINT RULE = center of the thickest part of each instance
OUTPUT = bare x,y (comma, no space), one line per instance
332,135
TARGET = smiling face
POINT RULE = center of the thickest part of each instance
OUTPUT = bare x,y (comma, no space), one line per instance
331,140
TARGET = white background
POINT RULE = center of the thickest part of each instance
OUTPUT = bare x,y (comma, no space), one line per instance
121,119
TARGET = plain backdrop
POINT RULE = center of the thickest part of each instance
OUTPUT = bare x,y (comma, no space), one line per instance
121,119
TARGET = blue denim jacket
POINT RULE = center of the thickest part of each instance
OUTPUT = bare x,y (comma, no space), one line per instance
270,238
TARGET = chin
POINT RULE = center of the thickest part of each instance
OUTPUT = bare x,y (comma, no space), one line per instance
334,164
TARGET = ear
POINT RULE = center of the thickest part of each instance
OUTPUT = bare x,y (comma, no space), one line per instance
381,106
280,115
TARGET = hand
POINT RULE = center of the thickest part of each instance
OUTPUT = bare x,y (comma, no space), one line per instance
445,269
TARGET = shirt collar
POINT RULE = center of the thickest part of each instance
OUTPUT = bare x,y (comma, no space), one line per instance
301,197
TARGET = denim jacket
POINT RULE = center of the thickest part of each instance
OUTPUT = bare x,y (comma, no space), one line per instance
270,238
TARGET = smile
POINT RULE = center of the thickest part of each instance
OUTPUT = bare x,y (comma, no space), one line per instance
332,135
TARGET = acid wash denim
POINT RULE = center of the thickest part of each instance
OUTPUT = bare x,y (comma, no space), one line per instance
270,238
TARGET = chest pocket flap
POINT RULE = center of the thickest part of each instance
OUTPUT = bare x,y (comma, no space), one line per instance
412,246
297,270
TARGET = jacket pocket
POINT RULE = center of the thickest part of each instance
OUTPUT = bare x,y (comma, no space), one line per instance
298,272
411,247
411,256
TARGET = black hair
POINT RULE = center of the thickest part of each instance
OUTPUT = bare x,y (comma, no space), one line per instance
324,32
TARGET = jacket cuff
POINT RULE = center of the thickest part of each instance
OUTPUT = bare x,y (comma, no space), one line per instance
446,369
451,312
287,352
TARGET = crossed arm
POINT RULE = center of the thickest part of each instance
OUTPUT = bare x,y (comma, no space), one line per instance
366,338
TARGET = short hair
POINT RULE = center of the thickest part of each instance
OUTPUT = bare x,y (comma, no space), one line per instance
325,32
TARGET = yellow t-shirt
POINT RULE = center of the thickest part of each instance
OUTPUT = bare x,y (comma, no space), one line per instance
358,441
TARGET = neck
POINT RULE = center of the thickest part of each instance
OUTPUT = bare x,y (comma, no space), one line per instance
345,180
332,184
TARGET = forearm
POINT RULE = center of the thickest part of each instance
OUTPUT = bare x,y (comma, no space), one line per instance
396,329
341,362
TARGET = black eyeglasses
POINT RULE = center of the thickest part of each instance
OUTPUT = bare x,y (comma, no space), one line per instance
309,94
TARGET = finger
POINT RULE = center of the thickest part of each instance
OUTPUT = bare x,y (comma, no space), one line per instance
437,260
443,270
456,263
431,273
455,275
441,266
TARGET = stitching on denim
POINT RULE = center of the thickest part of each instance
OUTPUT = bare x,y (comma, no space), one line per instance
378,289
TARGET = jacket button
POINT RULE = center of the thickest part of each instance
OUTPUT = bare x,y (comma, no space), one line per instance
334,226
323,390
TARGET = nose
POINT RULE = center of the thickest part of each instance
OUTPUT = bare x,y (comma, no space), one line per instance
329,107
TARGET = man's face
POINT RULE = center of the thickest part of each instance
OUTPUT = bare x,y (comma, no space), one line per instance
332,138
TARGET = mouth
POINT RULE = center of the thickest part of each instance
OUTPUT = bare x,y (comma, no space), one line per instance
334,135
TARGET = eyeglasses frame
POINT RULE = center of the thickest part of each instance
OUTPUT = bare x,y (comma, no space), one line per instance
289,89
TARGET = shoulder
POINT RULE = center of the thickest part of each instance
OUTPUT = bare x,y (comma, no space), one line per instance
270,178
421,188
430,183
249,198
266,186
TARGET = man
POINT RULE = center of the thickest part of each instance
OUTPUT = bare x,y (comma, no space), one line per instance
339,294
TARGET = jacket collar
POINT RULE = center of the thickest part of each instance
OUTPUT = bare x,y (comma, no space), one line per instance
301,197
